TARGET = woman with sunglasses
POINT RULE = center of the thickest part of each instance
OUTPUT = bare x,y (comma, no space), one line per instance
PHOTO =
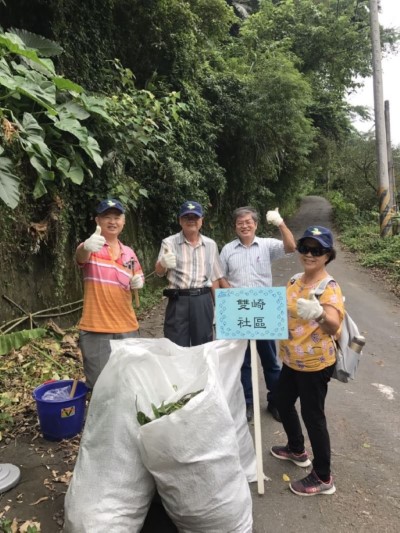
308,358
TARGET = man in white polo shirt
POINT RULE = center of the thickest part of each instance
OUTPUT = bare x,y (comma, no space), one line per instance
246,262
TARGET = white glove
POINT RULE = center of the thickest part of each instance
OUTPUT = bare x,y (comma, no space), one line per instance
168,260
309,309
273,217
95,242
136,281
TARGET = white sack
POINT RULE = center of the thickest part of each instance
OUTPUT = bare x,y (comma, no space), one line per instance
230,357
110,489
193,453
110,484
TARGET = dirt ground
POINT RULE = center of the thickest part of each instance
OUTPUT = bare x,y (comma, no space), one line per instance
363,416
46,468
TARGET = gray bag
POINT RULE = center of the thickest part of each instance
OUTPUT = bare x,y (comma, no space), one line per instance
347,358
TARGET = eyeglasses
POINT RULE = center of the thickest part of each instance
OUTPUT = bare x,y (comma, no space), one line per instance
249,222
315,251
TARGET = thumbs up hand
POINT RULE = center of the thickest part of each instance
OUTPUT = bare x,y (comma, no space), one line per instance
273,217
168,259
136,281
309,309
95,242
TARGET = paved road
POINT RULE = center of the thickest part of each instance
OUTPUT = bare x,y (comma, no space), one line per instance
363,416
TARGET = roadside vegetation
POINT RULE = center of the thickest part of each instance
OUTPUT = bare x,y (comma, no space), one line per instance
360,234
351,186
229,103
31,357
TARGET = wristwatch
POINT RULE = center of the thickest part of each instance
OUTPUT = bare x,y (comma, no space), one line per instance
322,318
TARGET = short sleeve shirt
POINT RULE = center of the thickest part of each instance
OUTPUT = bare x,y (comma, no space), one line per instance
250,266
196,266
107,302
308,348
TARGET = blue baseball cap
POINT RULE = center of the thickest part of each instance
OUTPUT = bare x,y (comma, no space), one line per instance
320,234
110,203
191,207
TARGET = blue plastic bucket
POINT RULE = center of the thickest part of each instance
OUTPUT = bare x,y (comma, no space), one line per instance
61,419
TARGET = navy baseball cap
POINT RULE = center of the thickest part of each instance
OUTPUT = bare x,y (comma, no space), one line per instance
320,234
110,203
191,207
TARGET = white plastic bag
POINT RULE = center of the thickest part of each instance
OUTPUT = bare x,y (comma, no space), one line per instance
193,453
110,486
231,355
110,490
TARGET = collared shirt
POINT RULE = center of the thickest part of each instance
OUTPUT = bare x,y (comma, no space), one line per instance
107,302
250,266
196,266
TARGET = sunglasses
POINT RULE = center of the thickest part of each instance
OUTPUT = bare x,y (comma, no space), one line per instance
315,251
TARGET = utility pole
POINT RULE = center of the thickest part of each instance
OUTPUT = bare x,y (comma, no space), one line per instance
385,201
392,182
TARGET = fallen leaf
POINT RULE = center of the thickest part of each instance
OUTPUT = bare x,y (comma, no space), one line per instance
285,477
26,525
42,499
65,478
366,445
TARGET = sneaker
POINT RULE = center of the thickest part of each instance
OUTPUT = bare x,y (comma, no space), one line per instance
249,412
311,485
274,412
284,453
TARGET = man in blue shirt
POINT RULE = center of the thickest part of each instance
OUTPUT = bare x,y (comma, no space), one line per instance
246,262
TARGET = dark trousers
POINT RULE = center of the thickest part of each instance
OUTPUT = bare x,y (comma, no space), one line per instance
189,320
311,388
267,352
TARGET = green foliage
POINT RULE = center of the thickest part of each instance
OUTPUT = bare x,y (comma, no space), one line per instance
166,409
41,114
53,141
226,102
150,296
373,251
349,168
13,341
345,212
360,233
5,525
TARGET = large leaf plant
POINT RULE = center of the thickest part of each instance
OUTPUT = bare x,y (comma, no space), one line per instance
42,117
51,129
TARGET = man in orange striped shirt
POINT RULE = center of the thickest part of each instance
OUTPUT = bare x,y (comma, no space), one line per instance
110,271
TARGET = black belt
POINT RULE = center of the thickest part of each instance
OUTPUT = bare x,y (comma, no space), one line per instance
174,293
